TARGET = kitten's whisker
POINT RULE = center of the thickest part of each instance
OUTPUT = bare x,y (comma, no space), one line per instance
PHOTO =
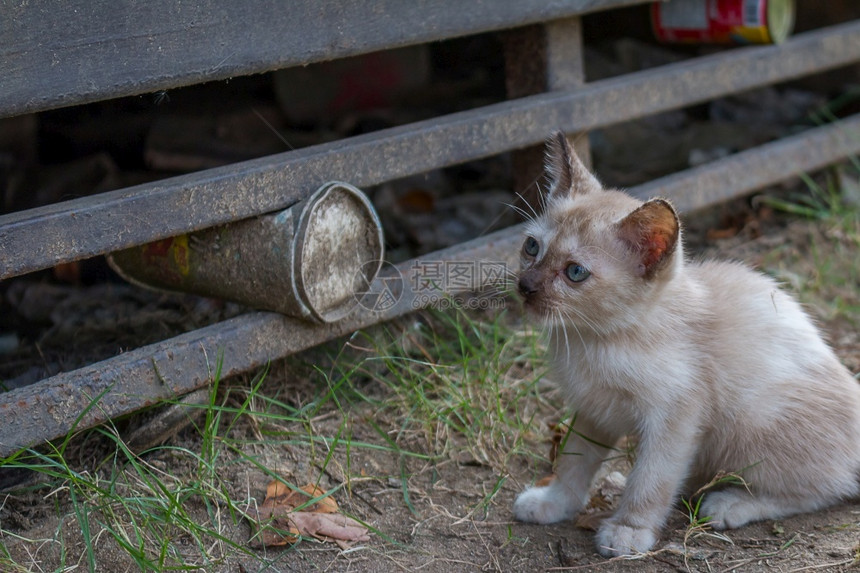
564,330
589,323
572,323
495,292
529,205
542,195
522,212
559,332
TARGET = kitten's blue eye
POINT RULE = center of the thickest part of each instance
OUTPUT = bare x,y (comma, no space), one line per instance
576,272
531,247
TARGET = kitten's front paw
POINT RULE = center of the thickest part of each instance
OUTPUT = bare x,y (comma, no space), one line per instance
615,539
543,505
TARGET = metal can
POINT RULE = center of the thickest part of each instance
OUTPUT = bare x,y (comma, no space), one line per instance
723,21
308,261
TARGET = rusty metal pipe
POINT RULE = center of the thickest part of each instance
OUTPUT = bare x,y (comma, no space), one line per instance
308,261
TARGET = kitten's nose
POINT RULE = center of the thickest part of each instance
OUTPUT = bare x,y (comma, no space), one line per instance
529,283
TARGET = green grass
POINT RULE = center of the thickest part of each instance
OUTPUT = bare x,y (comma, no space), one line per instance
447,387
452,379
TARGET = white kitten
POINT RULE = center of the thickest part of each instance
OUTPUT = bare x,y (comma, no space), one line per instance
709,364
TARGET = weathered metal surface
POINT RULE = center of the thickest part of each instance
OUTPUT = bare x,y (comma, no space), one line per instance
737,174
51,407
308,261
43,237
59,53
539,59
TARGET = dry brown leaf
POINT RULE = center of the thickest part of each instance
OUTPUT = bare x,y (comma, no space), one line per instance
559,431
592,520
328,526
278,523
604,499
278,494
280,526
268,532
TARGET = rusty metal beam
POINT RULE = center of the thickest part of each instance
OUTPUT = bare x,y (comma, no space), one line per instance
68,52
737,174
43,237
50,408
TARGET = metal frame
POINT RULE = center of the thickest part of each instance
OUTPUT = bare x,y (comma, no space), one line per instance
42,237
62,53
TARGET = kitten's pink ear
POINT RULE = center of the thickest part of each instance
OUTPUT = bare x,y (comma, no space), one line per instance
566,173
652,233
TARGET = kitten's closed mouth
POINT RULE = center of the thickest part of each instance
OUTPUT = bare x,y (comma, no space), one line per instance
528,286
536,306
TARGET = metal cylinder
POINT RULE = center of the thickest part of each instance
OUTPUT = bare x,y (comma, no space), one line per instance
308,261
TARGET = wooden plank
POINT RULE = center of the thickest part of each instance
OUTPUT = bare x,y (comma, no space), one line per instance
42,237
50,408
56,53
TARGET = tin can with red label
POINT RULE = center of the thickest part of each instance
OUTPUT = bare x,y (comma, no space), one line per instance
723,21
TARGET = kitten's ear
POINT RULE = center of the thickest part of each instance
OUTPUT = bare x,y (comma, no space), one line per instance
566,173
652,233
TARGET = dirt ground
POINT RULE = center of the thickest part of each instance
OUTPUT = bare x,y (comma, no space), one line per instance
444,535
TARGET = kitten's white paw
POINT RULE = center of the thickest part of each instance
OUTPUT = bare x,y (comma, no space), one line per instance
731,508
542,505
614,539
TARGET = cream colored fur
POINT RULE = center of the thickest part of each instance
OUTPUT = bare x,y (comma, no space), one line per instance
710,364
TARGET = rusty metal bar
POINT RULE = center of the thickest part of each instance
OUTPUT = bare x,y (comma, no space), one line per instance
42,237
61,53
49,409
737,174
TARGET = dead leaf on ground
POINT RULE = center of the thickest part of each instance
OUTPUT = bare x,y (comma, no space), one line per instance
277,521
278,494
605,495
559,434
